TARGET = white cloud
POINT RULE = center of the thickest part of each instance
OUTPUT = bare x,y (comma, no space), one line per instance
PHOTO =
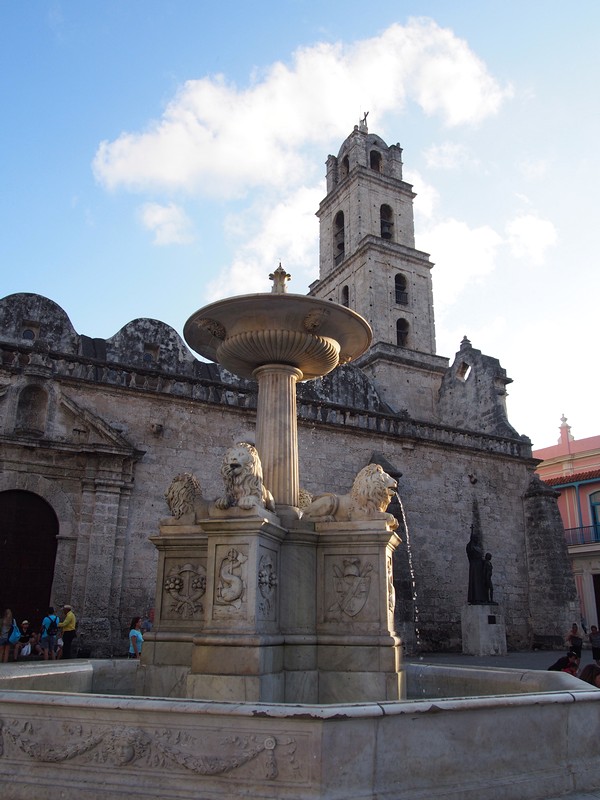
169,223
449,155
287,232
428,197
534,169
218,139
463,254
529,237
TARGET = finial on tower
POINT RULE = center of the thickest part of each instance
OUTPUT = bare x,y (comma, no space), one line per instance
279,278
362,124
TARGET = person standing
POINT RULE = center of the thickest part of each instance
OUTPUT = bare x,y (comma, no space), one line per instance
136,638
574,640
595,642
67,627
49,634
6,626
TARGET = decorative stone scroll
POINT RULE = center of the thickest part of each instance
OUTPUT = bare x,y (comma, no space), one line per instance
129,746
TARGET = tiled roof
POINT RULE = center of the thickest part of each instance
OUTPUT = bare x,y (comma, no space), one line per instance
560,480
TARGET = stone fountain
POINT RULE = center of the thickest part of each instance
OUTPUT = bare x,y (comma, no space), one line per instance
274,671
257,600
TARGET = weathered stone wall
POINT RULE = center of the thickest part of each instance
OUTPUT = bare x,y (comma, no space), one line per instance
549,568
117,430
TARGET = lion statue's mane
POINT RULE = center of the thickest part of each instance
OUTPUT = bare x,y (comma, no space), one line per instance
185,501
242,475
368,499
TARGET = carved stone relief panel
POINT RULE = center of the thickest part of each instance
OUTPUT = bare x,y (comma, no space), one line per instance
268,579
349,594
184,587
260,755
391,594
231,581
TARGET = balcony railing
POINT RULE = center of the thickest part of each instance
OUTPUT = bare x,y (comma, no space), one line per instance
588,534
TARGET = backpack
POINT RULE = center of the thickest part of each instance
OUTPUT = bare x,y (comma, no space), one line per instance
15,633
52,628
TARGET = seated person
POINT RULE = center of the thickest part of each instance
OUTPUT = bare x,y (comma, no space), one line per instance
568,663
26,645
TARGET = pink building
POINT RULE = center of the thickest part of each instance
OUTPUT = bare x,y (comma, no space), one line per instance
572,467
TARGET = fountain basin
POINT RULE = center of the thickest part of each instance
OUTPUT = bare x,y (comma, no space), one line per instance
512,747
248,331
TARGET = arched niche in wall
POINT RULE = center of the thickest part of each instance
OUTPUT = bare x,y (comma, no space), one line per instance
402,328
386,216
32,410
400,289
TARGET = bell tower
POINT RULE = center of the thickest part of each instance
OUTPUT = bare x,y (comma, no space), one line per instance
368,262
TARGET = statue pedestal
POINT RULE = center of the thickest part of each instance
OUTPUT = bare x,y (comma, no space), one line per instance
483,630
247,610
238,654
359,657
179,610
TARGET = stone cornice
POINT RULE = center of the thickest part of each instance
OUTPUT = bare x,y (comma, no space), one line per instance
241,397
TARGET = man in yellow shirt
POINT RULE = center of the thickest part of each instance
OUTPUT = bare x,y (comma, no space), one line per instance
67,628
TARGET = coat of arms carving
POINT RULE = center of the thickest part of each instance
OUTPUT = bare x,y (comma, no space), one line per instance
352,583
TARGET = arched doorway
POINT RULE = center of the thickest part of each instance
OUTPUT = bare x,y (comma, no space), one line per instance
28,541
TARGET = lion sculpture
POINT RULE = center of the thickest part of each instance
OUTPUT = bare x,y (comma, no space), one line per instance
185,501
370,496
241,471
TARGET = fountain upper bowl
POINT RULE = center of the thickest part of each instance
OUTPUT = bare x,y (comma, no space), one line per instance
246,332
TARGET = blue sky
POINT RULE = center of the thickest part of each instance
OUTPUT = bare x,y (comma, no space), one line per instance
159,155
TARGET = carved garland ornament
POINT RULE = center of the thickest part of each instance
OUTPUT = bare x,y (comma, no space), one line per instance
124,746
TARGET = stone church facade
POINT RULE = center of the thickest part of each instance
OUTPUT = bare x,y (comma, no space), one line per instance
93,430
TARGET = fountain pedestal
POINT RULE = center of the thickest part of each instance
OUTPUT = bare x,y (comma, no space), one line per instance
288,610
225,630
358,655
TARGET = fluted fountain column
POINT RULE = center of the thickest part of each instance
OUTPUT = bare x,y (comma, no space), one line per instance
277,430
278,339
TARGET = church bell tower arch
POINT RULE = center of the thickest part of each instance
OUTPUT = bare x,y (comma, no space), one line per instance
368,259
